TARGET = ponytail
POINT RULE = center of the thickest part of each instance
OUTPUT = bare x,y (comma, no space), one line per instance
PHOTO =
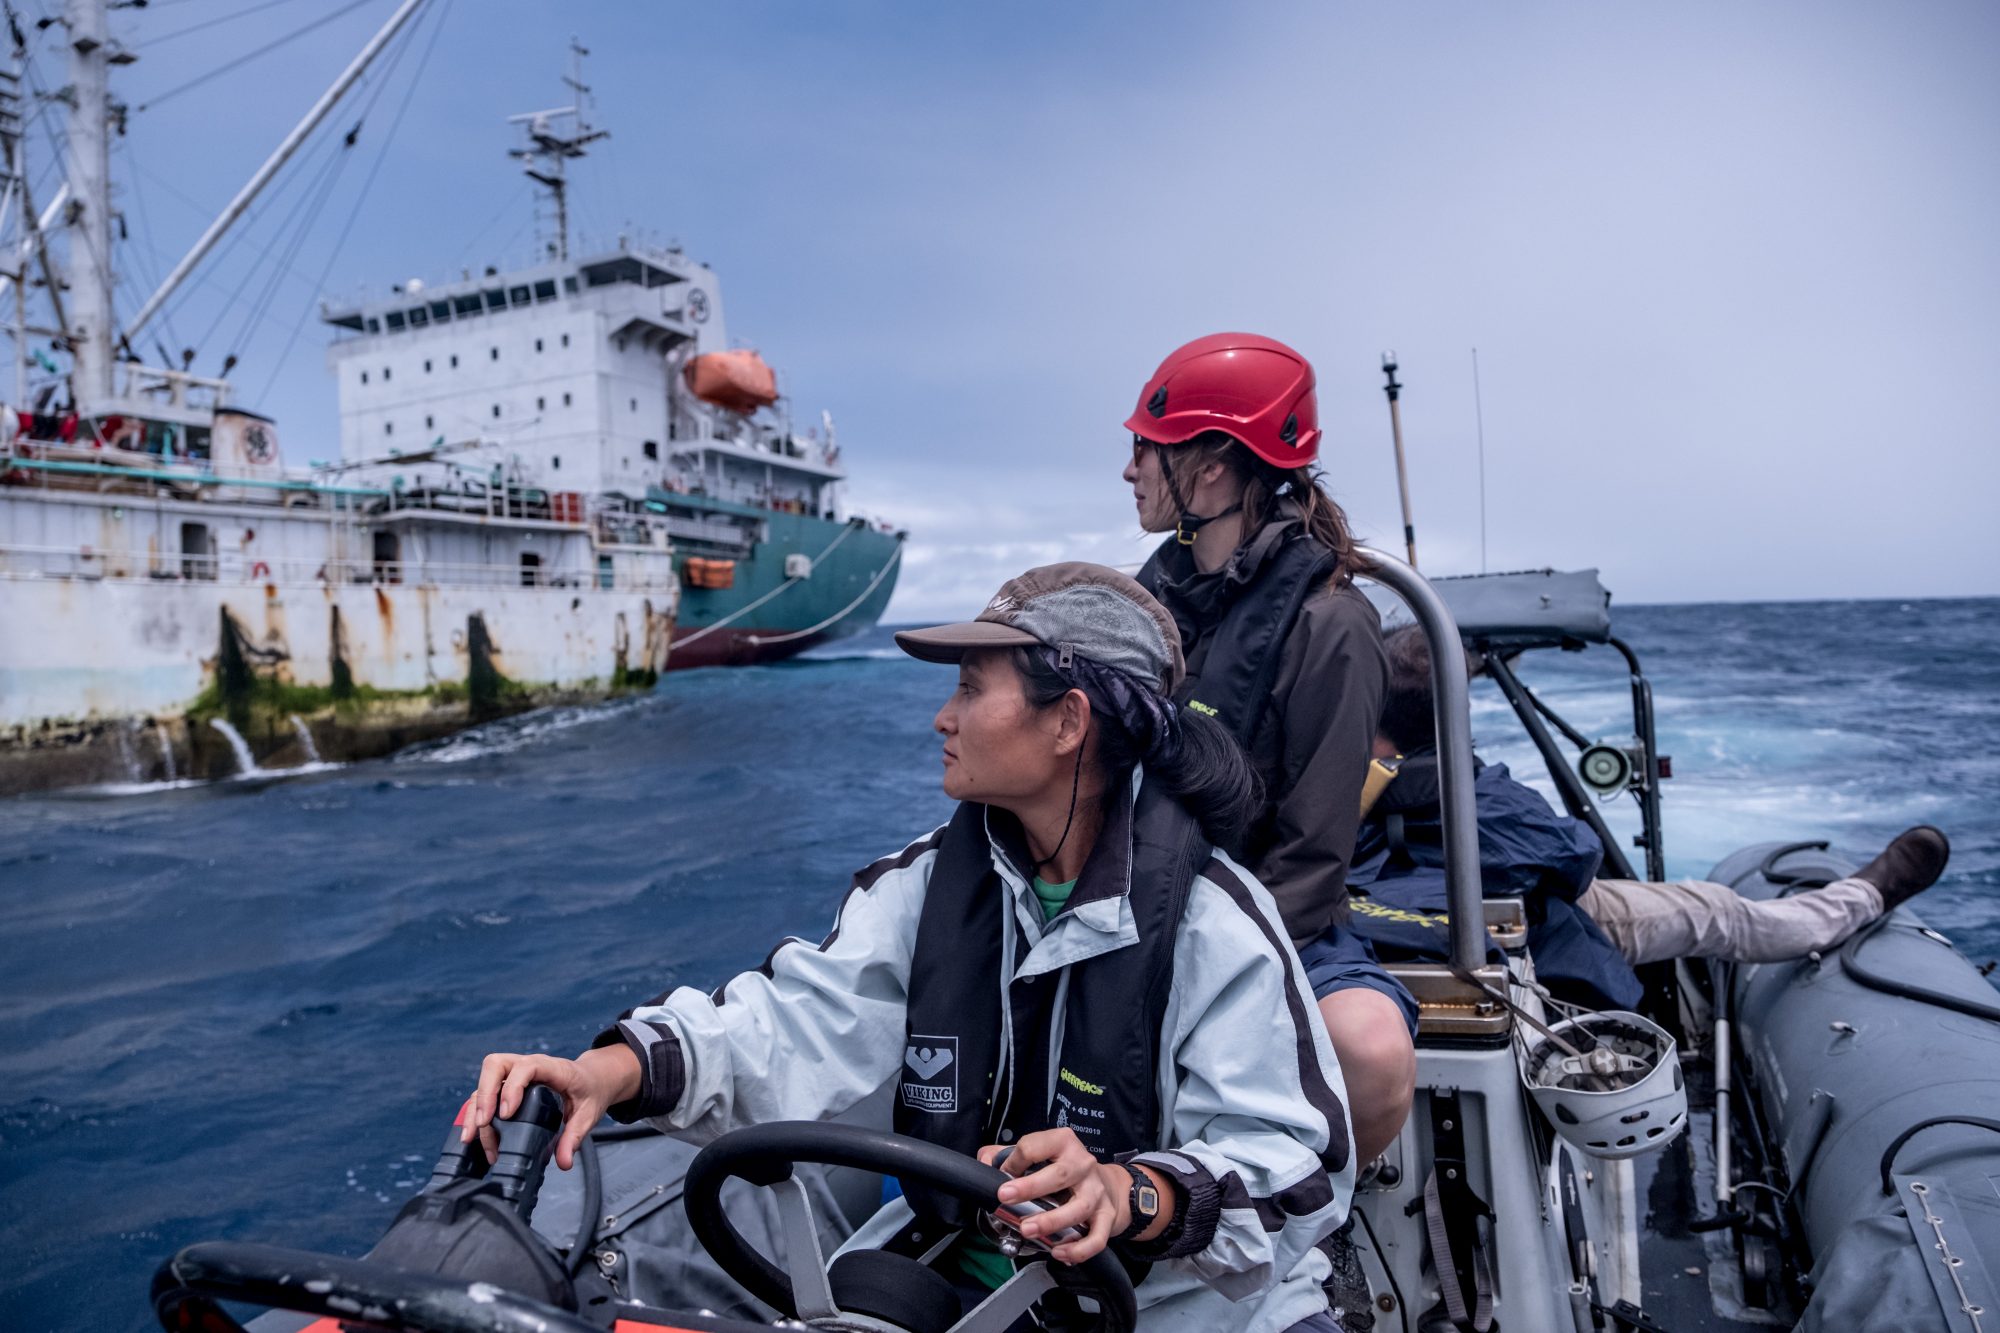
1266,488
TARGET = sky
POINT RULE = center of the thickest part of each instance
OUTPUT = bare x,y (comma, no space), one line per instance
1729,268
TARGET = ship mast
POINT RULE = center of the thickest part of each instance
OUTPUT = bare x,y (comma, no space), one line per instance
92,325
549,152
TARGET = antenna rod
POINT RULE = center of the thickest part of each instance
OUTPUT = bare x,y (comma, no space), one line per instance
278,158
1395,390
1479,416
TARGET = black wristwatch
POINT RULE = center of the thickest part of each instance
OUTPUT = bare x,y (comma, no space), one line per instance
1144,1203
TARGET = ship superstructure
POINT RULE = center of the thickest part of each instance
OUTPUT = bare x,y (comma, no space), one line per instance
547,477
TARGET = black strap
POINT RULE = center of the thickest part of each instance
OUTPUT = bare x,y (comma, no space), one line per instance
1393,834
1452,1214
1896,1144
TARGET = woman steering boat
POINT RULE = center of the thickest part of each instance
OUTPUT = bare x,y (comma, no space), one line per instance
1066,979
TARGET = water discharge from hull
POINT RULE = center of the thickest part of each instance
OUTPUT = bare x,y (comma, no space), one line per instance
246,764
306,739
127,754
166,750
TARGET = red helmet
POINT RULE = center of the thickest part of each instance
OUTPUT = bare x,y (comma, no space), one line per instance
1256,389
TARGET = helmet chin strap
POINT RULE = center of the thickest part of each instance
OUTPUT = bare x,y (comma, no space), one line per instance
1189,523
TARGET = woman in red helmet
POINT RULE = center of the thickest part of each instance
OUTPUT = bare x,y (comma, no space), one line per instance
1284,651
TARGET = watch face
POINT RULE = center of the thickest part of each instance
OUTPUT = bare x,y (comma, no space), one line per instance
1149,1201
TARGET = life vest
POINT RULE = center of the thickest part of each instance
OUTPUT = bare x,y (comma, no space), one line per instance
1244,615
1085,1039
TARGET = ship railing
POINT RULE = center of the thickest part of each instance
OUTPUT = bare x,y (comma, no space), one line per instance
21,562
53,465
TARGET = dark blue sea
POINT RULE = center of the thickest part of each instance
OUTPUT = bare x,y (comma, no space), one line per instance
250,1010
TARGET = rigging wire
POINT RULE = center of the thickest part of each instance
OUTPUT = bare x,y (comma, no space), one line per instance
210,23
378,81
140,270
511,204
241,60
155,258
368,182
250,272
307,212
319,194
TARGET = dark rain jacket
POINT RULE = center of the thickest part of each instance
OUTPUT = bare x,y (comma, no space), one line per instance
1526,850
1310,727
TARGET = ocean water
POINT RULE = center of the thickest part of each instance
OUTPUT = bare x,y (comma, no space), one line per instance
250,1010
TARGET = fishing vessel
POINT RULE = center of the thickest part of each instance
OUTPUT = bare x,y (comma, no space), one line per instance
554,482
1808,1144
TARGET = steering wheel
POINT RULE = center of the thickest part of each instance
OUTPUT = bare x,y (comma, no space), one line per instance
187,1287
874,1283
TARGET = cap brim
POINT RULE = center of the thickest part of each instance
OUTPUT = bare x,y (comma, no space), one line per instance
949,643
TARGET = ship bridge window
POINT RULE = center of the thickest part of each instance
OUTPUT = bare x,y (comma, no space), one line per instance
518,295
465,305
569,285
395,318
545,290
628,268
374,325
496,299
419,317
441,311
651,448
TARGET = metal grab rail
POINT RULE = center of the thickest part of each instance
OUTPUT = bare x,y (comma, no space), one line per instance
1451,696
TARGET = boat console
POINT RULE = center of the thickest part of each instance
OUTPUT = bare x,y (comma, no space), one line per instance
461,1257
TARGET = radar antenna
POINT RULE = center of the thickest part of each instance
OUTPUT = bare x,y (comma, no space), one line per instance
549,150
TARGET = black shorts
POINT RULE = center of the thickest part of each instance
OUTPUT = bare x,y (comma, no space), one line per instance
1342,960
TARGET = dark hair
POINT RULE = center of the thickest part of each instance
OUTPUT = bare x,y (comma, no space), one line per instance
1266,486
1206,771
1409,722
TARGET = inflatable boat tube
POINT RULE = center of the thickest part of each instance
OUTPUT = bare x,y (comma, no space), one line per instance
1877,1065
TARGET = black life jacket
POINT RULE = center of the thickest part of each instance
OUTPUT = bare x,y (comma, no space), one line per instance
1244,620
1100,1076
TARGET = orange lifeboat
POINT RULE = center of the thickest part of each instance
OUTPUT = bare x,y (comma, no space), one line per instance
739,380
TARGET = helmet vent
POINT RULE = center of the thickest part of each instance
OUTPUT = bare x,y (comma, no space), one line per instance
1156,406
1289,433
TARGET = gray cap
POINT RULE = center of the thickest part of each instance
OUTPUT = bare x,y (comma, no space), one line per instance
1092,610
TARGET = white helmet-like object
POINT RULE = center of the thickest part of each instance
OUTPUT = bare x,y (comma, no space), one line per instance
1622,1096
